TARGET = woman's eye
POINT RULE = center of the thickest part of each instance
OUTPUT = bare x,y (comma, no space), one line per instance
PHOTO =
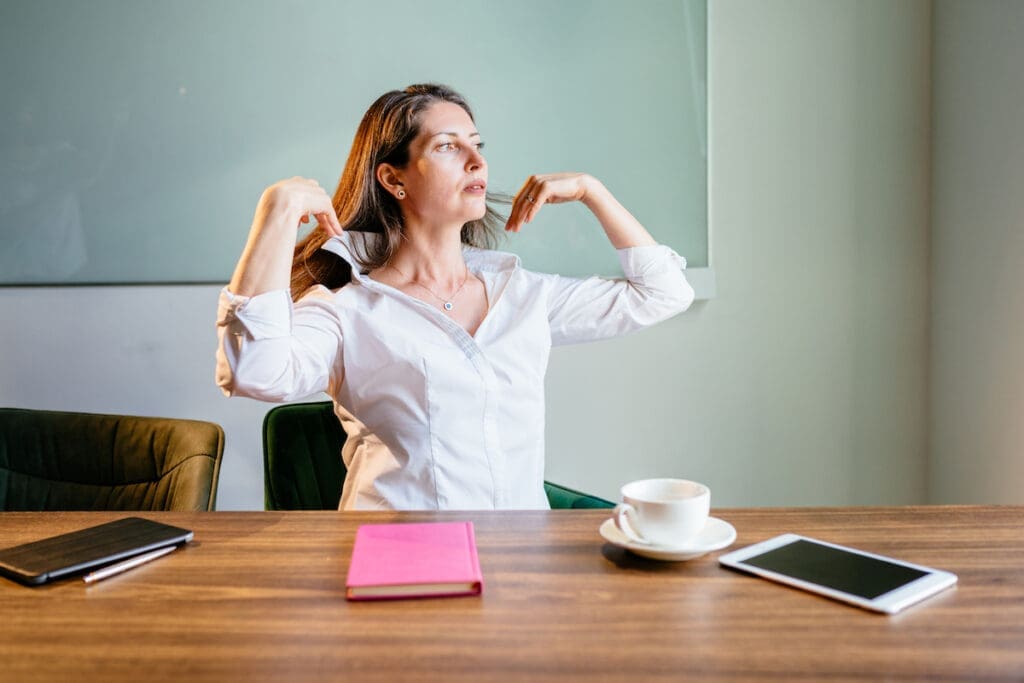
451,146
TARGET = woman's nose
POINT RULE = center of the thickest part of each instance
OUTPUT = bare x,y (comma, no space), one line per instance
476,160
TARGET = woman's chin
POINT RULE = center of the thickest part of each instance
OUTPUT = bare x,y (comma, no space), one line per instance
476,214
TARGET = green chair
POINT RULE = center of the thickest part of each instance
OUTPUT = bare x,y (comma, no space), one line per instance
303,470
51,460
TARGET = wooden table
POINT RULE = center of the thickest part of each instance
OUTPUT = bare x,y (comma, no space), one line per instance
260,596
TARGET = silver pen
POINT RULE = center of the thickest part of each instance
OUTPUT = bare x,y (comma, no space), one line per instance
130,563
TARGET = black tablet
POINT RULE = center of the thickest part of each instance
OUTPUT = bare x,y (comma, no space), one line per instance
52,558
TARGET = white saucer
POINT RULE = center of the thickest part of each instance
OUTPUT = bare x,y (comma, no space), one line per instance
715,535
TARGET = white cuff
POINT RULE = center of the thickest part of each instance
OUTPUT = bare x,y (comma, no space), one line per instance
264,316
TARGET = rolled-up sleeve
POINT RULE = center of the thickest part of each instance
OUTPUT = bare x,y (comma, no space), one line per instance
654,289
272,350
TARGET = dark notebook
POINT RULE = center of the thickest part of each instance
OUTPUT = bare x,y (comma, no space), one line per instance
58,556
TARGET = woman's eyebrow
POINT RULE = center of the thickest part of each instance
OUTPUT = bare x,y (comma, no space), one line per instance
454,134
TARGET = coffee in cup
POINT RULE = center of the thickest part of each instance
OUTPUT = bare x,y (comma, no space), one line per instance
666,512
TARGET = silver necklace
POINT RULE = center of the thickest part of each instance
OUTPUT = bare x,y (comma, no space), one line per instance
447,303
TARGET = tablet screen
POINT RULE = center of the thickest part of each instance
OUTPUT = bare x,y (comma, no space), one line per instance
866,577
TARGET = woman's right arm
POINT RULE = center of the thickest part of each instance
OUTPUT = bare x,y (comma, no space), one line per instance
266,262
268,350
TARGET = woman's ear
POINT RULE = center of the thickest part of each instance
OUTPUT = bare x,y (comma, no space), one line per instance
390,178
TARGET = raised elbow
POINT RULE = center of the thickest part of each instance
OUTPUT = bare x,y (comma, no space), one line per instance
670,296
684,296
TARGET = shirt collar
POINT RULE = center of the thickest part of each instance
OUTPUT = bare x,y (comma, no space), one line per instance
354,242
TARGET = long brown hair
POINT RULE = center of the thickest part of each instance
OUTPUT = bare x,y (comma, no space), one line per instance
384,135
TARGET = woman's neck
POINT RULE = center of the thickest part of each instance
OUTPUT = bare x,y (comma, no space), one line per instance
431,257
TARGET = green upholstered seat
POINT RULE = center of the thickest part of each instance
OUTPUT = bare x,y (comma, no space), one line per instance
564,498
51,460
302,464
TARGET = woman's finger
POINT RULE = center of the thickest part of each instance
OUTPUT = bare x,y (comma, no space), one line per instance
528,197
514,212
524,201
327,217
329,220
540,196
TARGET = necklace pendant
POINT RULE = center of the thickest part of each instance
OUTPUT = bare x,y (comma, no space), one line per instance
448,305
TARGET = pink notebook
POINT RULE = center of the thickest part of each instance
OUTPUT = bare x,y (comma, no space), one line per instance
414,561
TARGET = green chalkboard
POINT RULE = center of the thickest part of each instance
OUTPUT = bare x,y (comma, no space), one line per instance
136,136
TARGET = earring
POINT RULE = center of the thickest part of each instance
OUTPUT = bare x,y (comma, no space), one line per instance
401,194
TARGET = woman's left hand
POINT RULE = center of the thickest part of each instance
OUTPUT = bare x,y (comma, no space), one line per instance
550,188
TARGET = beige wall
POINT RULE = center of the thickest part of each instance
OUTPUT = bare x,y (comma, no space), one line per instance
803,382
977,368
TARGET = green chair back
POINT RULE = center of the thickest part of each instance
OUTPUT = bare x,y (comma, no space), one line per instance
302,466
303,470
53,460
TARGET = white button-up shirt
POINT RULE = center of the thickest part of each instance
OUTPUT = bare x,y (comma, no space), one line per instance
437,418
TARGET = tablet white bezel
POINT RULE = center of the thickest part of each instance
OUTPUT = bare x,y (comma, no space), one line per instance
895,600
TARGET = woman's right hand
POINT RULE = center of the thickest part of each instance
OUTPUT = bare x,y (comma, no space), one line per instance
266,261
297,199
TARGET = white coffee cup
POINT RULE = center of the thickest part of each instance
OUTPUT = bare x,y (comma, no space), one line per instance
666,512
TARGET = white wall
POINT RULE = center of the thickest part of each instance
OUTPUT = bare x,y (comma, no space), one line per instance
977,369
803,382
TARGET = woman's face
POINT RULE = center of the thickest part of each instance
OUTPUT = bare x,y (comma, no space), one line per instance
445,179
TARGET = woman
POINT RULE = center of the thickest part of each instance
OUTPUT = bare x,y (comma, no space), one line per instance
433,349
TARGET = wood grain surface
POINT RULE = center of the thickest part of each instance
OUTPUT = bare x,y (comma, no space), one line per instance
261,596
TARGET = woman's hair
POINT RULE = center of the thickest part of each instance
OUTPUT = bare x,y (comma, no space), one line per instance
361,203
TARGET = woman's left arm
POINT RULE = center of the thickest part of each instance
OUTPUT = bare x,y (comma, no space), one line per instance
622,228
588,309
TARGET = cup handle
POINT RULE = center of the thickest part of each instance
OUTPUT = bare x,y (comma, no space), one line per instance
621,515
